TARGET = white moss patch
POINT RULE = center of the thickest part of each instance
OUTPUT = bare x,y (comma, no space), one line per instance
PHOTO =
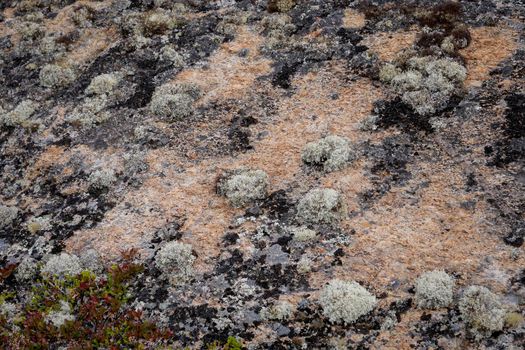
344,301
434,289
244,186
321,206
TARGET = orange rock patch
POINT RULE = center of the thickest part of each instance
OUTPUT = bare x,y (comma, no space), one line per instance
489,46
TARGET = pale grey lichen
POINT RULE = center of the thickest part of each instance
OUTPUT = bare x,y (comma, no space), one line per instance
8,214
427,83
158,22
482,310
410,80
169,54
26,270
90,112
281,5
304,265
7,310
102,178
244,186
62,265
387,72
280,311
103,83
345,301
303,234
91,261
54,76
321,206
175,260
37,224
60,316
434,289
20,114
173,101
331,152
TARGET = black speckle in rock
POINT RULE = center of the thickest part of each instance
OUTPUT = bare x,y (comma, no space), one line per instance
339,252
230,238
283,73
398,113
239,133
277,204
512,147
284,240
253,211
516,237
426,317
243,52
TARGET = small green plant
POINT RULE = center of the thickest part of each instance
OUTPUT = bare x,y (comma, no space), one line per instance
231,344
81,311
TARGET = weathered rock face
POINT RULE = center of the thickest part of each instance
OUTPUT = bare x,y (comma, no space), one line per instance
141,124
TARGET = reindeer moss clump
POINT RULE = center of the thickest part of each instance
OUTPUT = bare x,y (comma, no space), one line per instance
434,289
62,265
176,261
321,206
280,5
173,102
482,310
332,153
344,301
244,186
55,76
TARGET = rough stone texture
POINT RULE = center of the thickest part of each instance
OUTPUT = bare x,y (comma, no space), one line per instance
437,191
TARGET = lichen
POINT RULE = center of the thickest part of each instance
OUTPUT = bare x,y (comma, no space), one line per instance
176,259
102,179
20,114
279,311
331,152
173,102
8,214
482,310
434,289
280,5
55,76
103,84
60,316
303,234
26,270
322,205
345,301
244,186
62,265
